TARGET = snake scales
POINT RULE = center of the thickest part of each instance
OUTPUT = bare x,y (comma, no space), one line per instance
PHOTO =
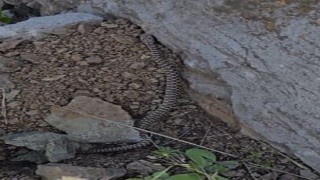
169,99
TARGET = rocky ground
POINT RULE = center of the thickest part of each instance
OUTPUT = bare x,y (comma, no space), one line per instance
110,63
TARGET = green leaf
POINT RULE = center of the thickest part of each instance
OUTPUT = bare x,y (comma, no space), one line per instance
191,176
160,175
135,179
5,19
201,156
230,164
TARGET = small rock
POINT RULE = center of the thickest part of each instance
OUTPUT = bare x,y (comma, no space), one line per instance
109,25
11,95
31,156
2,132
62,50
83,28
144,57
33,58
128,75
8,65
94,60
82,63
288,177
144,167
80,127
14,104
135,85
54,171
5,83
54,78
123,39
32,112
308,174
139,65
10,44
61,149
76,57
269,176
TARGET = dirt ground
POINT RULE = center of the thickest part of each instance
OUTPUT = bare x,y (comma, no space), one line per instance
109,62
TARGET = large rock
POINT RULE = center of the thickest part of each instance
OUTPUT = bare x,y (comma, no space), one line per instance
35,26
93,120
46,7
265,54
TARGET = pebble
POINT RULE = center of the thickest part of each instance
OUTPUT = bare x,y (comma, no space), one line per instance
76,57
144,167
32,58
32,112
288,177
94,60
109,25
135,85
139,65
128,75
2,132
144,57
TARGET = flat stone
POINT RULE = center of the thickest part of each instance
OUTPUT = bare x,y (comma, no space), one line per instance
36,25
97,126
55,146
32,140
55,171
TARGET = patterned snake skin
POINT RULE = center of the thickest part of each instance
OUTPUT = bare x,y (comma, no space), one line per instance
169,100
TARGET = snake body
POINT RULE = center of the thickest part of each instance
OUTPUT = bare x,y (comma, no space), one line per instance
170,99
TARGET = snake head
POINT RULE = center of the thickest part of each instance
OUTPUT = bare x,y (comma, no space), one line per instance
147,39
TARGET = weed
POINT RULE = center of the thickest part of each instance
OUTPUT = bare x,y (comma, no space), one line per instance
200,164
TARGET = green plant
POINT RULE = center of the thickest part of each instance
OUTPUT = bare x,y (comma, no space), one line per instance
4,18
201,164
166,152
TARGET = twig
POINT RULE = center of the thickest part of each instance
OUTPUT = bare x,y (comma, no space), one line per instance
206,134
166,143
249,171
3,105
151,132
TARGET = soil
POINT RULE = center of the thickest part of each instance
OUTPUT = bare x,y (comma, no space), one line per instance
109,62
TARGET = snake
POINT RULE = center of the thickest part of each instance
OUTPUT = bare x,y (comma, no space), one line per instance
169,101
